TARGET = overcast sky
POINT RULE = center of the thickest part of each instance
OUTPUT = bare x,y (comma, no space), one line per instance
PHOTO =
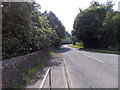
66,10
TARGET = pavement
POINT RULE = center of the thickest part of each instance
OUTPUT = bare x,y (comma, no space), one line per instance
90,69
58,75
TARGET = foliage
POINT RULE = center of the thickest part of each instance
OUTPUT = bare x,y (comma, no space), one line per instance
56,25
74,46
98,26
26,29
67,39
102,51
73,39
110,31
86,26
29,75
51,53
79,44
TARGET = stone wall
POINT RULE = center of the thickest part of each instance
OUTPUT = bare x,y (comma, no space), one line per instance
14,68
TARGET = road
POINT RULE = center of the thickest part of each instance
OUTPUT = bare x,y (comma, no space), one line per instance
91,69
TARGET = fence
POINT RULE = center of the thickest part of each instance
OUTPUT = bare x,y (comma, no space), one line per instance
48,73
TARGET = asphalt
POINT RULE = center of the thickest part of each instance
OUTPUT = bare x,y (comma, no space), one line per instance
90,69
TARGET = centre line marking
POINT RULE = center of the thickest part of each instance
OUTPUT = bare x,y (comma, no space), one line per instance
93,58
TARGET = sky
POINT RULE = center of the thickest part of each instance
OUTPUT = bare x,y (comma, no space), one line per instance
67,10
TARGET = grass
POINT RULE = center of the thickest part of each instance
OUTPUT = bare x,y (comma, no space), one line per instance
74,46
51,53
96,50
103,51
28,76
31,72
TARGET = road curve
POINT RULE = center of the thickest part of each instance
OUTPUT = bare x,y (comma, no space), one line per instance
90,69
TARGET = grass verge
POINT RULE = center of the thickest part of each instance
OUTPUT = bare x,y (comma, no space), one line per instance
103,51
95,50
74,46
27,77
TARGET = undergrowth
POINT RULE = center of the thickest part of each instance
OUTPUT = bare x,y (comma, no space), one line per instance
31,72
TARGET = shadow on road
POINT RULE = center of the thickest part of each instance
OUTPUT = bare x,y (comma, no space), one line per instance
63,50
53,62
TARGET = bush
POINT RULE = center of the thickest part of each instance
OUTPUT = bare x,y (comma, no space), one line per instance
79,44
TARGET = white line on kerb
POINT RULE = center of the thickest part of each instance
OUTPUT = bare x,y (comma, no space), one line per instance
93,58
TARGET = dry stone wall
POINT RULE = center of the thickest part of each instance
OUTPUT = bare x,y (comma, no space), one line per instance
14,68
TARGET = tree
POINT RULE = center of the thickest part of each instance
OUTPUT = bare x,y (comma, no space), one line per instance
87,23
25,29
98,26
67,39
56,25
16,29
110,31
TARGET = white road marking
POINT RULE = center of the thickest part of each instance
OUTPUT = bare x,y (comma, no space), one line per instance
114,66
111,55
93,58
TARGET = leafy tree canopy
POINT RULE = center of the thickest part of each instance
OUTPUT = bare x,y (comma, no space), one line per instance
97,26
26,29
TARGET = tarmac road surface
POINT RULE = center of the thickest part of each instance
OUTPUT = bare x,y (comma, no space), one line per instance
91,69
